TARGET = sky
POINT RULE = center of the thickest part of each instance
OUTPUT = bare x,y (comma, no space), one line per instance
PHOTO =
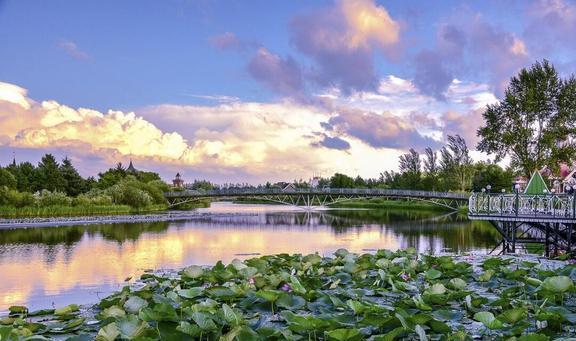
251,91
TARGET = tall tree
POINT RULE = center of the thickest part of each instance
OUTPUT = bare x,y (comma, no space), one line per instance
341,181
431,168
75,184
430,161
456,164
7,179
535,123
410,169
48,175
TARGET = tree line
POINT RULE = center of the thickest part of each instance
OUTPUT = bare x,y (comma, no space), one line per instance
53,183
448,169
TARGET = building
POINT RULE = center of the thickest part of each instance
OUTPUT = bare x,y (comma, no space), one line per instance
131,169
178,182
314,182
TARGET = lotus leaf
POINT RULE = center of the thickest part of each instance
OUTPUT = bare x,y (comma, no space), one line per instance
344,334
69,309
131,327
134,304
558,284
193,271
433,274
488,319
108,333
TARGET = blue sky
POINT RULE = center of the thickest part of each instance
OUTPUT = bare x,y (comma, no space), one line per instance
361,75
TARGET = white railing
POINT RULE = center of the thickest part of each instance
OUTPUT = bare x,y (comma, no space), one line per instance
522,205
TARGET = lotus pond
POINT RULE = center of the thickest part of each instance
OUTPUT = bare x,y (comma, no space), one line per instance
383,295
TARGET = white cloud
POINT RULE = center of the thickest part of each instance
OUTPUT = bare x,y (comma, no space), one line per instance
246,141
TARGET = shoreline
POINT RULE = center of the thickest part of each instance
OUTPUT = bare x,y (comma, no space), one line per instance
6,224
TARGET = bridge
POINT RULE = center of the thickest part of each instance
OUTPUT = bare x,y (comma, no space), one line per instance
309,197
547,219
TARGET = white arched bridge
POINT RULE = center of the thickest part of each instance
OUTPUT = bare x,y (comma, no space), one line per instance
309,197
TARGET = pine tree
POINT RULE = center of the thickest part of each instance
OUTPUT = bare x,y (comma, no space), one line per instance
48,175
75,184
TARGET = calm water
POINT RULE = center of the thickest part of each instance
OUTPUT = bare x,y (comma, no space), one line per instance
42,267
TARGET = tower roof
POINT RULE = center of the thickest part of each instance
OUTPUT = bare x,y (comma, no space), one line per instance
131,168
536,185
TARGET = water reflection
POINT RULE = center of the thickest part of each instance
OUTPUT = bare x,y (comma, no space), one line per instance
62,265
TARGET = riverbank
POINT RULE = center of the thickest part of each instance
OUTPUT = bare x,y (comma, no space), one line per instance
105,219
377,296
7,212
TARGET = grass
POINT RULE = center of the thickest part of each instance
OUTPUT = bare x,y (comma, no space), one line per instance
70,211
386,203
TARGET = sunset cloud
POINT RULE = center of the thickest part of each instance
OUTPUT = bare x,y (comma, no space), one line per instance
250,140
342,40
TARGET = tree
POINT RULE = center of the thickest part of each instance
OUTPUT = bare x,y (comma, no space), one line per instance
430,181
359,182
410,169
75,184
112,176
341,181
147,176
535,123
491,174
7,179
456,164
48,175
25,174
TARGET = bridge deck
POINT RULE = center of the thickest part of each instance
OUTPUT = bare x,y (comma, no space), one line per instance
560,208
320,191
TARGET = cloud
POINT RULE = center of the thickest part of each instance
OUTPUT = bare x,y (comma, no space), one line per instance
225,41
332,143
282,75
381,130
356,133
342,40
73,50
469,46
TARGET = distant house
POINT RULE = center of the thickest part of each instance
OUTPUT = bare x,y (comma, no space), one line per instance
314,182
519,183
178,182
289,187
284,186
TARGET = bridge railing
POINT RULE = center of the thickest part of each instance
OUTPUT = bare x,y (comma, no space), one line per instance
318,191
522,205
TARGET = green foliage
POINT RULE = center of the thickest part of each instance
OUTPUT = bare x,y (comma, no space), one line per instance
202,185
537,112
7,179
493,175
341,181
48,175
392,295
75,184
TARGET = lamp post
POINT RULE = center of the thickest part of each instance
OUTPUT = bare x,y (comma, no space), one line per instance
517,189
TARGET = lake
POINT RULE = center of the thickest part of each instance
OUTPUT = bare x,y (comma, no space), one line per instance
56,266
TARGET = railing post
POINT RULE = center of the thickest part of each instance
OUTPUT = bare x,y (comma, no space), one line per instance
517,203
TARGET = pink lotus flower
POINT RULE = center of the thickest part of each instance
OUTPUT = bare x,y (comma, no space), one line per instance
286,287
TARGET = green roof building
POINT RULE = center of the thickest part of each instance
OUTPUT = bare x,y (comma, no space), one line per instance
536,185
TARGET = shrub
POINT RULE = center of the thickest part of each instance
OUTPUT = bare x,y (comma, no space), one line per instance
47,198
7,179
